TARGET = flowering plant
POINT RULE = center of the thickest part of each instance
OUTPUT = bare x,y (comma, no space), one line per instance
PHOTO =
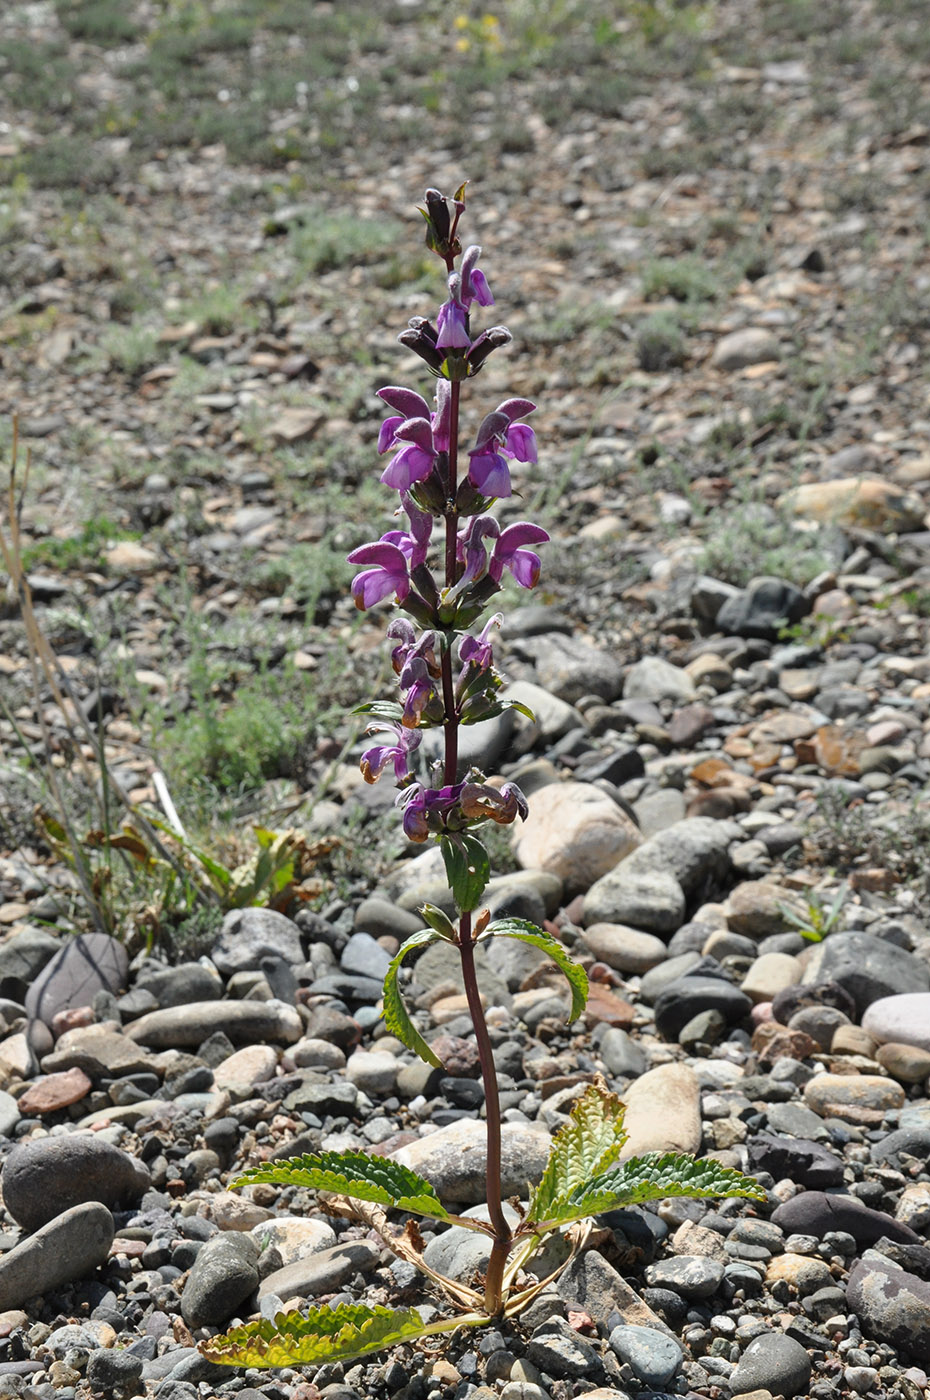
447,678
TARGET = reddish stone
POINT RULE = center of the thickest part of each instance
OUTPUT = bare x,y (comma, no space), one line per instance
71,1018
459,1057
605,1007
54,1091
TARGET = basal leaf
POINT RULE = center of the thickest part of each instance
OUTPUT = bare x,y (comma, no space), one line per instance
650,1178
396,1017
357,1174
468,868
589,1143
323,1334
529,933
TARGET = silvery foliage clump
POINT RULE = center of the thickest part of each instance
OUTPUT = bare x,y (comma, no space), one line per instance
442,565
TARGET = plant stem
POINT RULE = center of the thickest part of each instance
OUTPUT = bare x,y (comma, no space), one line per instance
451,566
500,1248
502,1231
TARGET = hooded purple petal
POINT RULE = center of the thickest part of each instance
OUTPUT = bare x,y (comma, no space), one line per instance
407,402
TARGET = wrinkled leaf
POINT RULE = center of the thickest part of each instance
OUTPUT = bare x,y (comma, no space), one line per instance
652,1177
537,938
468,868
396,1017
323,1334
589,1143
357,1174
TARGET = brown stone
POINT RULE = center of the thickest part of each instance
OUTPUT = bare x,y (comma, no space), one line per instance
606,1008
836,751
868,501
782,727
54,1091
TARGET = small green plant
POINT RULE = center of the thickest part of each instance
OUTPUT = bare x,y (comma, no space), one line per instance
447,678
660,344
819,918
688,279
818,630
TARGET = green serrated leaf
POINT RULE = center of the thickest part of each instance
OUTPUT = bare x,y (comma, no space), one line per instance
357,1174
323,1334
589,1143
652,1177
396,1017
529,933
468,868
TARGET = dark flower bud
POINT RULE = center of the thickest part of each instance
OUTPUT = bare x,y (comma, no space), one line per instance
491,339
420,343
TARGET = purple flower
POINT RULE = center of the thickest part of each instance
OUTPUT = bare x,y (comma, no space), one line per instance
387,574
474,283
510,554
414,461
401,630
472,550
452,321
427,809
498,438
477,650
375,760
421,691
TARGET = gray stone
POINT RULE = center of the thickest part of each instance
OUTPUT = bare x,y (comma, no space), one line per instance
559,1351
624,949
762,608
379,916
45,1176
175,986
659,810
752,345
569,667
816,1213
117,1373
324,1271
678,1003
651,900
9,1114
692,1275
892,1305
90,963
23,957
245,1022
650,888
454,1159
622,1055
868,968
248,935
552,718
654,1357
652,678
364,957
223,1276
708,596
773,1362
68,1247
